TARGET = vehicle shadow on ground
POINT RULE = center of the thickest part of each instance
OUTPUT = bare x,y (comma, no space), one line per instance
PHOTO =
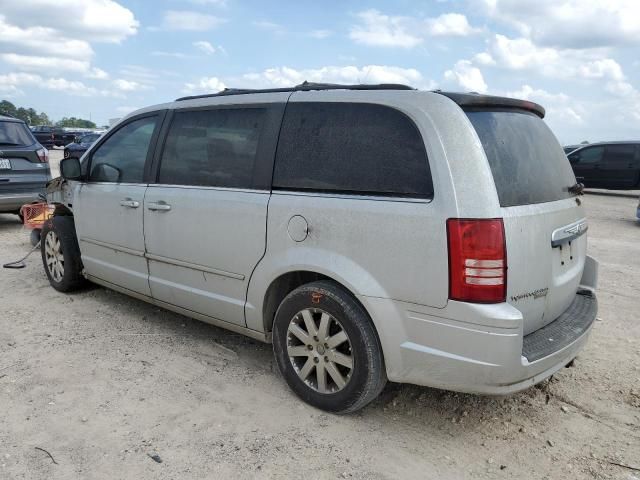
407,404
9,220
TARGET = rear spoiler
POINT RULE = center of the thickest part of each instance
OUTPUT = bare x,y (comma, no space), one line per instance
475,100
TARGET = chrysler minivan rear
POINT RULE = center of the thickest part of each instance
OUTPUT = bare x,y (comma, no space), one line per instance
521,286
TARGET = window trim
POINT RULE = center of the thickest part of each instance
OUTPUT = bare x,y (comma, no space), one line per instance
364,194
265,151
161,114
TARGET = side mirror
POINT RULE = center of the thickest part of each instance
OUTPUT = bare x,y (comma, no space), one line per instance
76,140
70,169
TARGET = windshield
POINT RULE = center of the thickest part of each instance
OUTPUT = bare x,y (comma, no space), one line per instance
16,134
527,162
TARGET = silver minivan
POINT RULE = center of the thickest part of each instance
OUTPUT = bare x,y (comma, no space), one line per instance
370,232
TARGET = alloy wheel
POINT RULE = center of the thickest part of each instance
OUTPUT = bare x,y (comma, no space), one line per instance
319,350
53,256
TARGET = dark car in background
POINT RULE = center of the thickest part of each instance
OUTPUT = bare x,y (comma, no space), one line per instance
612,165
80,145
24,165
53,136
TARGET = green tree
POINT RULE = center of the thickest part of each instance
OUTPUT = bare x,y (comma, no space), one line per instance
43,119
7,108
74,122
23,114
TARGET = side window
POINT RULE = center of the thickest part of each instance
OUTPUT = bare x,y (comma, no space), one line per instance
214,148
353,148
121,158
588,155
617,155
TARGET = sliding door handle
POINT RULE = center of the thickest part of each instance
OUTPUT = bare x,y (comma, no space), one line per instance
129,203
160,206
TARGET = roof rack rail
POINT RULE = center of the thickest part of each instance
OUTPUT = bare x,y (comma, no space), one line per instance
7,114
304,86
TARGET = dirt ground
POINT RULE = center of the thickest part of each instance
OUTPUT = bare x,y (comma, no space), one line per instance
104,383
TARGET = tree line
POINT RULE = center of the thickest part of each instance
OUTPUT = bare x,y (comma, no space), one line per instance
31,117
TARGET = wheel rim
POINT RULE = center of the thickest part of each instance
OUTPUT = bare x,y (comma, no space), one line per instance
319,350
53,256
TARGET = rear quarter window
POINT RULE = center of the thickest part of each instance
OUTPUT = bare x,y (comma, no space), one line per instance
15,133
526,160
353,148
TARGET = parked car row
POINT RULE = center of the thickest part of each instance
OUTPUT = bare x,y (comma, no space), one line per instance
52,136
80,145
611,165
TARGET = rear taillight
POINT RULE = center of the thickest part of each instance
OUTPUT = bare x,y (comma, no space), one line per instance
43,155
477,260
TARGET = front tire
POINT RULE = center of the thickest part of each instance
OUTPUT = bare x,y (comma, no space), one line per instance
61,254
327,349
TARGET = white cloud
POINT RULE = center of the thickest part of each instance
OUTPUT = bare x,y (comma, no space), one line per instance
286,76
522,53
561,110
562,64
377,29
97,74
91,20
577,24
466,76
601,68
205,47
190,21
450,24
204,85
12,83
53,65
128,85
484,58
37,63
41,40
56,36
381,30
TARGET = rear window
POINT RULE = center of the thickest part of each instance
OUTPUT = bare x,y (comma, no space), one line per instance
353,148
527,162
15,134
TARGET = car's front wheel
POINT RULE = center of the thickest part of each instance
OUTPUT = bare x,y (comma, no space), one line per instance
327,348
61,254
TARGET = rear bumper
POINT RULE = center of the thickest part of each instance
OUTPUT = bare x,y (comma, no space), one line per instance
479,348
13,201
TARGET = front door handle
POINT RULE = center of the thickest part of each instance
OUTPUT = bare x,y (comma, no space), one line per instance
160,206
129,203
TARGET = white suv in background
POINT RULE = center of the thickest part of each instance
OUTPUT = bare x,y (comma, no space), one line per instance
371,232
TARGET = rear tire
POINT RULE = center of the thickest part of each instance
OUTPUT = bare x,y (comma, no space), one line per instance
61,254
327,349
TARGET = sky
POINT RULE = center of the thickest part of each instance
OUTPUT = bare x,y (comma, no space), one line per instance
101,59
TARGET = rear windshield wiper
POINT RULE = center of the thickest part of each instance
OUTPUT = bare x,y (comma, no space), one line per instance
577,189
